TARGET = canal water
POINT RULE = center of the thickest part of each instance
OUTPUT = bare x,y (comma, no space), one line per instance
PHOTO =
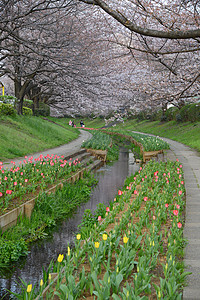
29,269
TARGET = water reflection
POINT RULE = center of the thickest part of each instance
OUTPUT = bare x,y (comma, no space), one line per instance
110,179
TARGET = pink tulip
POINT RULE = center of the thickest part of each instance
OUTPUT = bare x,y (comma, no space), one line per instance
99,218
180,192
154,217
177,206
135,192
179,224
175,212
134,178
107,209
26,180
1,194
120,192
182,182
166,205
9,192
145,199
21,173
15,183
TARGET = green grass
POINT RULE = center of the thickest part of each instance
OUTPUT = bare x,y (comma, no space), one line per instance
91,123
186,133
20,135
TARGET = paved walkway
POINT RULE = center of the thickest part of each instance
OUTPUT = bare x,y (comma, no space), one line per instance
190,159
65,150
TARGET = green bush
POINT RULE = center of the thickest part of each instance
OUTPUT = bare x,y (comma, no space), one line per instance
7,109
190,112
194,112
28,103
27,111
43,110
171,113
8,99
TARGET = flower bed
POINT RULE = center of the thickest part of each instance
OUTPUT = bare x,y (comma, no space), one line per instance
41,172
131,250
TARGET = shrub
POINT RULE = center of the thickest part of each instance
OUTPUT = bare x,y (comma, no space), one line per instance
194,112
190,112
43,110
7,109
171,113
28,103
27,111
8,99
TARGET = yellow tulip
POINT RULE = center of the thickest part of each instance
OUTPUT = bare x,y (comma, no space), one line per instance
29,288
125,239
105,237
68,251
41,282
50,277
78,236
60,258
96,244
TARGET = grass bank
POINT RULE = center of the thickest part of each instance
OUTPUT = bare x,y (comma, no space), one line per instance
21,135
91,123
186,133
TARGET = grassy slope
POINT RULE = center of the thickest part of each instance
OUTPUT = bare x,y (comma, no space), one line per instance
186,133
21,135
91,123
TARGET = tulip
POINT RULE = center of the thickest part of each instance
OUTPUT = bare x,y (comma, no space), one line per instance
105,237
99,218
60,258
41,282
179,224
29,288
120,192
107,209
175,212
68,251
78,236
125,239
96,244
